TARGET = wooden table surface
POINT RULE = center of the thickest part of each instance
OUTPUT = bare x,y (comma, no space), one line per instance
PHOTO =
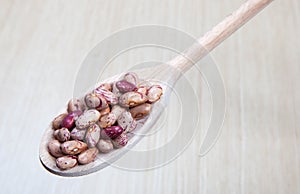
42,46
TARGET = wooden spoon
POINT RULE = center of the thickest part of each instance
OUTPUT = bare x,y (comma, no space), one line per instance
168,74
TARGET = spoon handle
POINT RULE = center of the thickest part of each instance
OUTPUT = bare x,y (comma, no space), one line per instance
218,34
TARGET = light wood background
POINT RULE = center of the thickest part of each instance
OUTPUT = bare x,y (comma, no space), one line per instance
42,44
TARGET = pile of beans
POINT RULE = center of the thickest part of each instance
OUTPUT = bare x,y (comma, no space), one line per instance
100,121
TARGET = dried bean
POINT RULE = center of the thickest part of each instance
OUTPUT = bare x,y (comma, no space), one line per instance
73,147
66,162
125,86
88,156
56,123
92,135
88,118
140,111
54,148
107,120
78,134
120,141
62,134
69,120
112,132
131,99
154,93
132,78
75,104
126,121
105,146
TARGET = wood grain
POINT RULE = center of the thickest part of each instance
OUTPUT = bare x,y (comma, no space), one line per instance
42,45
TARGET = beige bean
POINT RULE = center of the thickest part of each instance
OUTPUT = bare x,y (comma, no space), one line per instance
140,111
54,148
105,146
88,118
73,147
107,120
56,123
131,99
62,134
66,162
88,156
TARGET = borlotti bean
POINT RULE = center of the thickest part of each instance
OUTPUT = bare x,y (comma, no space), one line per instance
88,156
66,162
127,122
88,118
105,145
73,147
154,93
62,134
105,111
75,104
101,120
140,111
131,99
120,141
69,121
125,86
92,135
78,134
107,120
132,78
56,123
54,148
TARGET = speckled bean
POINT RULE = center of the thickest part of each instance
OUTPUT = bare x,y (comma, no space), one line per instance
105,111
78,134
125,86
105,146
92,135
111,132
154,93
131,99
120,141
62,134
117,110
110,97
140,111
66,162
132,78
75,104
107,120
106,86
88,156
88,118
73,147
142,90
69,121
126,121
54,148
95,100
115,90
56,123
